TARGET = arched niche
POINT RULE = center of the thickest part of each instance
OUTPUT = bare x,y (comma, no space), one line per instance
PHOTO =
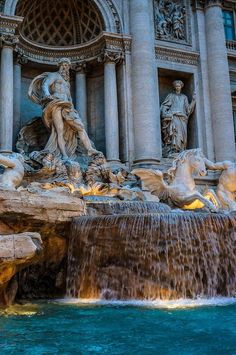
110,14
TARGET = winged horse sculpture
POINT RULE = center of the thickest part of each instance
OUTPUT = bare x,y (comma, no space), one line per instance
181,189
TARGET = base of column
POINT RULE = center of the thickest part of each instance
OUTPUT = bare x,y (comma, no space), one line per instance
113,160
150,163
4,151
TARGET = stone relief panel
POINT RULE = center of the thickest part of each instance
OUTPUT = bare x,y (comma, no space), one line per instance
172,20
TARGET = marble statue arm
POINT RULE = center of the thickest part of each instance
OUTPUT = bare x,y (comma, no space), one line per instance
48,81
6,162
217,166
190,107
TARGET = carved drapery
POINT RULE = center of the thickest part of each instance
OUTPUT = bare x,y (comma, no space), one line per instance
172,20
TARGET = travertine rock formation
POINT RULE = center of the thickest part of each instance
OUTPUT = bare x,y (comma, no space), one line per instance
48,214
17,251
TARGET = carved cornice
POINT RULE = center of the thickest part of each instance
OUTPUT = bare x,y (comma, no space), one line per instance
177,56
87,52
9,24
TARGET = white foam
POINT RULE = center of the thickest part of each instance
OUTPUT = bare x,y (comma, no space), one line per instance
159,304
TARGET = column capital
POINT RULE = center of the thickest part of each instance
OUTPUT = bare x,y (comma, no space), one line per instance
198,4
209,3
80,67
111,57
7,40
19,59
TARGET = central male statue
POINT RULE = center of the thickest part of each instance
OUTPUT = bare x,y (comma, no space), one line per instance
52,92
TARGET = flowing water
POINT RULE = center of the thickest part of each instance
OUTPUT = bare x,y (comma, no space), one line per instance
152,256
117,329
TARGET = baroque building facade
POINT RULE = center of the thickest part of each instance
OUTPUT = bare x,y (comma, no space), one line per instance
125,54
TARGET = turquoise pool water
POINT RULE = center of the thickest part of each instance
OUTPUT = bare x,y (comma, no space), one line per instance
56,328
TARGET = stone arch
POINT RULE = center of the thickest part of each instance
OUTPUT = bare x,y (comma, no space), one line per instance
111,16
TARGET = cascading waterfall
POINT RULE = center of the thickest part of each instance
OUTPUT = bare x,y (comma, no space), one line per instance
152,256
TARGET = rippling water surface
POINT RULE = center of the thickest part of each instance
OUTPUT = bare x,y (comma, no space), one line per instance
183,327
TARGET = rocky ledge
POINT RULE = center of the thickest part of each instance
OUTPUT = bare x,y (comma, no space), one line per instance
23,269
17,251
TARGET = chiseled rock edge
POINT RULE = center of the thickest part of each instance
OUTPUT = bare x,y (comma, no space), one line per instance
46,207
17,251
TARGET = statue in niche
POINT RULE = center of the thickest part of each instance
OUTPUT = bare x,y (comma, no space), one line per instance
175,112
12,176
170,19
59,156
52,92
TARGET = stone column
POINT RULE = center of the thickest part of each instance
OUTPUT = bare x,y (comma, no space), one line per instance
6,98
204,92
81,92
147,131
19,60
111,106
219,82
126,128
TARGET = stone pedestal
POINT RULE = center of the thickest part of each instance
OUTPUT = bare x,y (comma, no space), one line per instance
81,93
146,111
6,98
219,83
111,110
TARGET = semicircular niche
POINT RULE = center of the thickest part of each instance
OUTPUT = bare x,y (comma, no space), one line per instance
59,23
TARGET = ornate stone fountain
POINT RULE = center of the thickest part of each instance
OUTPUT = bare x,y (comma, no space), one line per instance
102,235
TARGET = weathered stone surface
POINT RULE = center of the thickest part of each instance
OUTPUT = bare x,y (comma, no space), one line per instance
45,208
17,251
49,214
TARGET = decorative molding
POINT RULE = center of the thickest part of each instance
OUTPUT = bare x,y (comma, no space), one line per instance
8,30
115,15
80,68
86,52
20,59
8,40
177,56
209,3
9,24
173,21
111,57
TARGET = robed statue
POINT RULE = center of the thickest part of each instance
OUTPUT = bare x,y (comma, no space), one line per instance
52,92
175,112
